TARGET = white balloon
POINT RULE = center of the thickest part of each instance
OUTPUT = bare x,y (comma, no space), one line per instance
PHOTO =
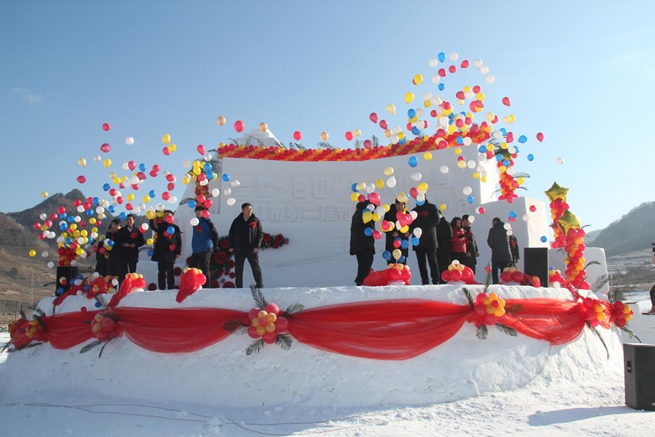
426,96
370,188
433,62
129,141
227,191
453,56
80,208
471,164
435,78
172,199
51,265
231,201
443,169
414,214
204,182
216,192
380,211
97,158
507,226
471,219
44,254
416,176
420,111
420,197
560,160
43,216
186,164
235,183
490,79
477,63
525,217
467,190
391,182
125,167
418,232
484,70
194,221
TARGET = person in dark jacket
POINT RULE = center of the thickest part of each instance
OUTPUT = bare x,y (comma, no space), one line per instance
167,248
128,240
458,241
396,235
113,256
427,219
203,242
362,243
472,251
514,248
245,237
444,234
501,254
101,260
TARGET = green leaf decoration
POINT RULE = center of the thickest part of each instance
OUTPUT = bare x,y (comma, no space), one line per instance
100,301
104,346
284,341
235,326
482,332
257,295
255,347
469,298
294,309
595,331
90,346
487,279
22,314
630,333
514,308
506,329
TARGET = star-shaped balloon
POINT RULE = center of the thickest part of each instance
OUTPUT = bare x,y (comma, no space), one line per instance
556,192
567,221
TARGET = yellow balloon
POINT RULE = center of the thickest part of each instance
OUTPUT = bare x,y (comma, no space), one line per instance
357,132
367,216
376,217
44,194
263,127
396,254
458,151
422,187
379,184
324,136
418,79
404,229
388,171
427,156
106,163
442,207
186,179
149,241
391,109
461,164
150,215
354,197
166,139
409,97
221,120
402,196
81,162
130,197
32,252
92,221
172,148
387,133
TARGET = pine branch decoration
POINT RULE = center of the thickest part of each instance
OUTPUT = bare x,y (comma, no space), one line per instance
469,298
600,337
235,326
294,309
506,329
630,333
259,298
90,346
255,347
284,341
482,332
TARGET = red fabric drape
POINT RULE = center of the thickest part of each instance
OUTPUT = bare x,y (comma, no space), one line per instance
69,329
383,330
555,321
176,330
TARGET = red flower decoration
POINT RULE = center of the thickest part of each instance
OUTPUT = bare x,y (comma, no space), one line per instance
253,225
105,326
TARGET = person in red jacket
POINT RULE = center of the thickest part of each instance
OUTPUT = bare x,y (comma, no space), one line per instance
458,241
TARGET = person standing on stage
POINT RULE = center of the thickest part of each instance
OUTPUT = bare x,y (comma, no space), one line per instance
245,237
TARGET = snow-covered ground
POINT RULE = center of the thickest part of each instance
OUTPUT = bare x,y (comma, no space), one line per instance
547,405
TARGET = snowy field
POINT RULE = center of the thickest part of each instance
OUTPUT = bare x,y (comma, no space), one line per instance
547,405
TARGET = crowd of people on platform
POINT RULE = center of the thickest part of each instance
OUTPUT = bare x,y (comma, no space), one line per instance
440,243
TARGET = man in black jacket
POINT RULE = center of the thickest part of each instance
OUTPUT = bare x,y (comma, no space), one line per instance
427,218
362,243
168,247
396,235
245,237
128,239
501,253
444,235
472,251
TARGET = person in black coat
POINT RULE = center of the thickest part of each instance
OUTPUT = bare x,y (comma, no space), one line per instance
361,244
394,235
245,237
101,260
501,253
427,219
472,251
444,235
167,249
128,240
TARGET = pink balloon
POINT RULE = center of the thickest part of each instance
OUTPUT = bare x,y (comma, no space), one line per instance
540,137
506,101
374,198
131,165
239,126
105,148
201,149
383,124
297,135
106,127
373,117
367,144
349,136
81,179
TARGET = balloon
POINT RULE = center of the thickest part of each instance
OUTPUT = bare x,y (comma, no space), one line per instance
129,141
349,136
506,101
368,232
105,148
396,254
297,135
166,139
427,156
239,126
201,149
418,79
540,137
443,169
422,187
81,179
373,117
32,253
467,190
559,160
221,120
368,144
391,182
409,97
324,136
530,157
81,162
44,194
194,221
413,162
416,176
357,132
226,177
263,127
391,109
106,127
231,201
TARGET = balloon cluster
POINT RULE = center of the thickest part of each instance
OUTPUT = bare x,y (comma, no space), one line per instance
105,326
191,280
394,274
505,162
23,331
575,261
514,274
99,285
558,206
621,313
458,272
595,311
266,323
489,309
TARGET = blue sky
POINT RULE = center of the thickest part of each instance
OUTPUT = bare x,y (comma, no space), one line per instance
580,72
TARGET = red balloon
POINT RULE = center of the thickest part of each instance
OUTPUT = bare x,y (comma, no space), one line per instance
506,101
239,126
383,124
349,136
81,179
201,149
367,144
297,135
106,127
105,148
465,64
166,151
373,117
540,137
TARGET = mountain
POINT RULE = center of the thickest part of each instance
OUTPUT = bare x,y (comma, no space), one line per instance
633,232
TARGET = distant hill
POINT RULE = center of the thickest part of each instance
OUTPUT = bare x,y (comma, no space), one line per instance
633,232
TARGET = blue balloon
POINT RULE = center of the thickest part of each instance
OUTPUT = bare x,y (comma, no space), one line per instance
413,161
469,199
523,139
122,215
459,140
403,141
60,291
411,113
207,167
506,162
512,214
69,241
71,219
106,187
441,57
96,201
404,244
482,149
415,130
170,230
386,255
63,216
415,240
543,239
142,167
368,232
152,193
499,157
111,209
150,252
420,202
63,226
210,175
503,131
354,187
441,87
89,212
98,304
402,259
192,204
109,242
226,177
530,157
